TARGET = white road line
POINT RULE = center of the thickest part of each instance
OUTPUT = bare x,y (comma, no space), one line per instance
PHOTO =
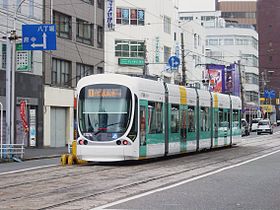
28,169
183,182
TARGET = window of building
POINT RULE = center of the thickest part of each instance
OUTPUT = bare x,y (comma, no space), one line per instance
99,70
61,71
100,4
83,70
252,96
63,24
128,48
213,42
252,78
100,35
155,117
84,32
130,16
167,53
89,1
167,24
175,122
5,4
228,42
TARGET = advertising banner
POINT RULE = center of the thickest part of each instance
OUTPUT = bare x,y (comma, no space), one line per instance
109,15
216,77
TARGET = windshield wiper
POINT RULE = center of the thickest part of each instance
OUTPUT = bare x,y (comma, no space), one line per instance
105,128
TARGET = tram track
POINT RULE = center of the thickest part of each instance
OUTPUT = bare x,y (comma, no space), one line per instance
192,163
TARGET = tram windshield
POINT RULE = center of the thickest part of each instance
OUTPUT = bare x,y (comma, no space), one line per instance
104,111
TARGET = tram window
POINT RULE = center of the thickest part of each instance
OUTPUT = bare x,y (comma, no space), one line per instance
204,116
133,132
155,118
221,118
235,119
174,118
228,118
191,119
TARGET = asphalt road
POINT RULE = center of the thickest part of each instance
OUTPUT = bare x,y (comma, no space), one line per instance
254,185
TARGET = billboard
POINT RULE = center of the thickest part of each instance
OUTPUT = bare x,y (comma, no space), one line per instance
223,79
216,77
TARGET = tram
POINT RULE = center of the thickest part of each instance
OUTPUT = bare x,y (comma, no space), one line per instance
130,118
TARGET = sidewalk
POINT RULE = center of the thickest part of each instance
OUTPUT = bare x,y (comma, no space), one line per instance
45,152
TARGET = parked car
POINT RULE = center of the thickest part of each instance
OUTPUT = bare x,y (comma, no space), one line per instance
254,124
245,128
278,122
264,126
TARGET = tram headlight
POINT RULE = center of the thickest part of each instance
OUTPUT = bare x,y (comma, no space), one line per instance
119,142
125,142
81,142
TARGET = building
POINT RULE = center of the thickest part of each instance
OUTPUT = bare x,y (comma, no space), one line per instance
227,45
140,37
194,51
241,12
28,75
269,50
80,52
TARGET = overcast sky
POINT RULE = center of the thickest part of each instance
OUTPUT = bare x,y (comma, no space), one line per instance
200,5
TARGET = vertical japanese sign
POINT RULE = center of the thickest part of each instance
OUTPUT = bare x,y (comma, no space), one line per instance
109,15
32,127
157,51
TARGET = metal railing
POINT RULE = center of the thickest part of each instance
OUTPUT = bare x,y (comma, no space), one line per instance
1,128
9,151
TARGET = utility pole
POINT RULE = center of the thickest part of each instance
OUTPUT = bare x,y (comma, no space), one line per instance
10,78
241,88
145,69
183,60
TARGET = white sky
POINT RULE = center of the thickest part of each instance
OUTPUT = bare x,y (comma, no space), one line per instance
200,5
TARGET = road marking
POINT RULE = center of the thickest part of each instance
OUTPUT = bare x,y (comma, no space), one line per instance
27,169
183,182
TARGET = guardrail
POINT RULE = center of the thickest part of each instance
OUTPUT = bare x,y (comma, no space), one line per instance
9,151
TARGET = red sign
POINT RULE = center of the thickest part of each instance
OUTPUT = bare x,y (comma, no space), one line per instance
23,116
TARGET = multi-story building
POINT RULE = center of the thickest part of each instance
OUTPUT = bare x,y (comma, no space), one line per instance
241,12
269,50
237,45
28,76
80,52
140,32
227,44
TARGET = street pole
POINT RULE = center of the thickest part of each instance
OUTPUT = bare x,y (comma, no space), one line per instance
241,88
10,79
145,60
183,60
8,89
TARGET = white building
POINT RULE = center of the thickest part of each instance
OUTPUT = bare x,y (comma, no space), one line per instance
194,47
139,29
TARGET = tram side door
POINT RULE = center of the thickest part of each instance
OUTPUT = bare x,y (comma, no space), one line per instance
143,128
183,127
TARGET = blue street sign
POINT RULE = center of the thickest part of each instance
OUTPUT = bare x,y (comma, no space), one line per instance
272,94
266,93
269,94
39,37
174,61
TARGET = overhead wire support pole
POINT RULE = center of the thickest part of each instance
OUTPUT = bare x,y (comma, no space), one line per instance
13,38
183,60
241,87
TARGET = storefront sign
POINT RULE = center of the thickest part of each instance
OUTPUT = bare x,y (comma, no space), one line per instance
110,15
32,127
131,62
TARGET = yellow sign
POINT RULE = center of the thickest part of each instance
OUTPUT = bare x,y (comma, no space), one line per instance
266,108
183,95
106,93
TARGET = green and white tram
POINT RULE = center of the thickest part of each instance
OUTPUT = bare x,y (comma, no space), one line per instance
131,118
